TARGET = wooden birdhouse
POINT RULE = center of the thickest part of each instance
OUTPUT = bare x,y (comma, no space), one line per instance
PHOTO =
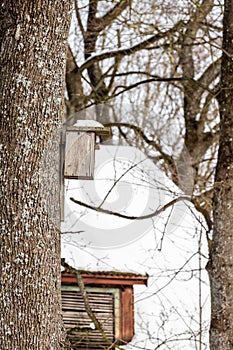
79,144
110,297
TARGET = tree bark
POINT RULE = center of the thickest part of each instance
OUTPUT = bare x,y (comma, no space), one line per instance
33,52
221,264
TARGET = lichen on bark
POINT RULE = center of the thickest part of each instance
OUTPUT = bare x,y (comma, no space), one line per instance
33,51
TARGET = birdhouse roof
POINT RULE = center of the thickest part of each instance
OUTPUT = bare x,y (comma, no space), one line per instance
88,123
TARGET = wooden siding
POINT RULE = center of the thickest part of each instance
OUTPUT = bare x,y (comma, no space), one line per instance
127,313
75,316
121,309
79,155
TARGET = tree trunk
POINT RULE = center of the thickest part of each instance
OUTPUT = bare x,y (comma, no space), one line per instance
221,267
33,50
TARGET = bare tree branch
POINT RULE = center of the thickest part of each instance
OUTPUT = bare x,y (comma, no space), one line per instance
79,18
111,15
199,14
132,217
139,132
210,74
142,45
204,210
77,98
94,26
160,79
118,180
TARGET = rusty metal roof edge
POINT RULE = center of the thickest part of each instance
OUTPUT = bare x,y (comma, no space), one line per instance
114,276
111,273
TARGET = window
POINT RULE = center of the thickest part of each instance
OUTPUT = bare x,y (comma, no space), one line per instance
82,332
111,299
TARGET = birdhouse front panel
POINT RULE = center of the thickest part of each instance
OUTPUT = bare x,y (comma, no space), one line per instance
79,155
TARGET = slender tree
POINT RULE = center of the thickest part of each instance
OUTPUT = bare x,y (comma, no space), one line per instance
221,264
33,51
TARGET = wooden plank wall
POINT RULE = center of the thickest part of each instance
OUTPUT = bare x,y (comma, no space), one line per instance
79,155
75,315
